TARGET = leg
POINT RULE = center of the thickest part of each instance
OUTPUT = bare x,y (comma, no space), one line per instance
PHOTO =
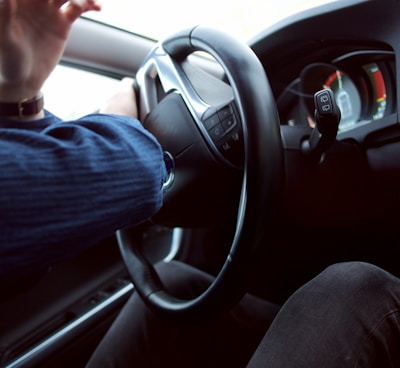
139,338
348,316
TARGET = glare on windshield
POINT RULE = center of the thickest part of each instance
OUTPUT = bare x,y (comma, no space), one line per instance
157,19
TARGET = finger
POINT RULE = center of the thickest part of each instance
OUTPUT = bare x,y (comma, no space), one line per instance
76,8
58,3
127,81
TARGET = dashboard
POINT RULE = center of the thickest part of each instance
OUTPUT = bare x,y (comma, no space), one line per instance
357,59
349,199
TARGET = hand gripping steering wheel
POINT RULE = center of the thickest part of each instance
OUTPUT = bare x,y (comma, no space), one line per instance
224,150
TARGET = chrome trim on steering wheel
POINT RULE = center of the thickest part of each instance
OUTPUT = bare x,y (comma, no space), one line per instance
172,77
170,166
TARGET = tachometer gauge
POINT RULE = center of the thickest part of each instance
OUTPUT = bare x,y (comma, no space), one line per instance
377,82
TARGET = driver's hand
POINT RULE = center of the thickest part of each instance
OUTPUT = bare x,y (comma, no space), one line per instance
123,102
33,35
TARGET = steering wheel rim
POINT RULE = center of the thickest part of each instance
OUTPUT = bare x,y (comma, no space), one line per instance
262,180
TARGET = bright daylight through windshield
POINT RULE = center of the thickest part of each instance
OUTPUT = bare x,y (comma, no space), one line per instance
157,19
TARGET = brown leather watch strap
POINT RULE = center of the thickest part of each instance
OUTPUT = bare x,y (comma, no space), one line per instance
23,108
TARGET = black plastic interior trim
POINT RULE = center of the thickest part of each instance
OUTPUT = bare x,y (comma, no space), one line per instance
98,305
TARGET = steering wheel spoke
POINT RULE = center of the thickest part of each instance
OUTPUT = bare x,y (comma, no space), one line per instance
160,75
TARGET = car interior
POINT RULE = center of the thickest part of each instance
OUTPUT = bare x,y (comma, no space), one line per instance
283,158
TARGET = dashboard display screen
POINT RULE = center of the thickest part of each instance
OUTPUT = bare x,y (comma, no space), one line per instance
347,97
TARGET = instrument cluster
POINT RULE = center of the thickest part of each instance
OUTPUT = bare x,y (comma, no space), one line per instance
362,83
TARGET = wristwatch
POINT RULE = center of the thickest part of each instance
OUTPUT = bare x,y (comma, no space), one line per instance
24,108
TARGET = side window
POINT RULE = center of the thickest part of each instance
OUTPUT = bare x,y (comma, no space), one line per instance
71,93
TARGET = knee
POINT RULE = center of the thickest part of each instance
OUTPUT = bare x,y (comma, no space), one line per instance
352,279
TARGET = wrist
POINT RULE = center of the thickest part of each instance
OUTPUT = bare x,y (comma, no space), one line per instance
24,109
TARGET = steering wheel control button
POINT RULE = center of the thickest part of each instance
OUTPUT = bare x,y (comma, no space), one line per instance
217,132
220,123
211,122
229,123
225,112
224,131
230,146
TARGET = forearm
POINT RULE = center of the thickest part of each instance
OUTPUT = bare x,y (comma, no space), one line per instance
77,184
88,161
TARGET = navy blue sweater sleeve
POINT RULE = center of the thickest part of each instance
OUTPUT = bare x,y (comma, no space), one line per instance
64,186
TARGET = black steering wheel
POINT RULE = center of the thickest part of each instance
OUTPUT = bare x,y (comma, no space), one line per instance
223,150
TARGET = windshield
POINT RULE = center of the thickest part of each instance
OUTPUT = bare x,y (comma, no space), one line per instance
157,19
